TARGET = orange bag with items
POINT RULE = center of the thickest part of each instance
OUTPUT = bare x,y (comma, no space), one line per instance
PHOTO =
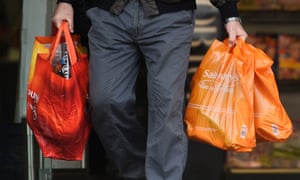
272,123
220,108
57,96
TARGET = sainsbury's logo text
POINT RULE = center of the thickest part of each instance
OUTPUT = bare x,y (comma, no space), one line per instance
33,105
218,76
214,81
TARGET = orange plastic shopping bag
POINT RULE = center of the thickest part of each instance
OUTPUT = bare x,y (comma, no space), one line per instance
40,45
220,108
56,99
272,122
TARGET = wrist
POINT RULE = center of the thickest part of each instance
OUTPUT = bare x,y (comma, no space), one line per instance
231,19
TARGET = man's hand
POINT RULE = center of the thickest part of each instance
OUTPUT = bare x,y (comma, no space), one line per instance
235,30
63,12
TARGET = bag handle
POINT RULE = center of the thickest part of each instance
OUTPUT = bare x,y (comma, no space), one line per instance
63,31
240,49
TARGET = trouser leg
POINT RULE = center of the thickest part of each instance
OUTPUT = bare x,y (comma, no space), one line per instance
165,41
113,71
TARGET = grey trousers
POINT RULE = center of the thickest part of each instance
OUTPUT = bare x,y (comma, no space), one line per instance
116,41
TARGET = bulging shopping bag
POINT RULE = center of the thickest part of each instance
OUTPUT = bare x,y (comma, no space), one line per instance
272,122
57,95
220,107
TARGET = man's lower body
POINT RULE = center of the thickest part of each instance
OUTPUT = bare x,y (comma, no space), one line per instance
115,43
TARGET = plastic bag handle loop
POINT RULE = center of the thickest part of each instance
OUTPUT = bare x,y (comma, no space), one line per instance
63,31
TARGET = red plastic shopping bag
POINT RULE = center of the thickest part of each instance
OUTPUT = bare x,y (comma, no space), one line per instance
56,98
272,122
220,108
